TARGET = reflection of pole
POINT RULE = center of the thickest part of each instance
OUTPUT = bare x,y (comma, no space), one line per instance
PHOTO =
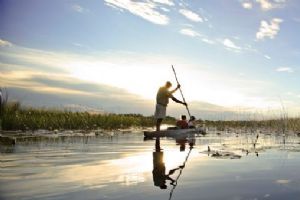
174,186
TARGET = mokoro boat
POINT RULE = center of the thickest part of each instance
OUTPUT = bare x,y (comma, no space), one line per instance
174,132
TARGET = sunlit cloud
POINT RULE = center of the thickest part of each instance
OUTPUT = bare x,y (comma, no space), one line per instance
4,43
270,4
247,5
208,41
191,15
22,79
267,57
269,30
165,9
283,181
166,2
79,74
80,9
285,69
230,44
147,10
265,4
189,32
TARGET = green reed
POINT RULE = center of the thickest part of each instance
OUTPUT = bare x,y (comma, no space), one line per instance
277,124
15,117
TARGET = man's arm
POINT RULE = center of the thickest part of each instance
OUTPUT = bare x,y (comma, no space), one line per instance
178,101
172,91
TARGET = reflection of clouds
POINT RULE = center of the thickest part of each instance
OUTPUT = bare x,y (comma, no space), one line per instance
129,170
130,179
125,171
283,181
293,183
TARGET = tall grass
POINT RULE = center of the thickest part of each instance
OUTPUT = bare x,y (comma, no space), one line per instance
280,125
15,117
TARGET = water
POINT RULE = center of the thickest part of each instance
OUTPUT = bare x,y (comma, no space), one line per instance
127,167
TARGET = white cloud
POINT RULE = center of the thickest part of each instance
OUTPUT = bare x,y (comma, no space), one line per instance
285,69
208,41
165,9
283,181
79,8
250,48
230,44
4,43
270,4
269,29
267,57
146,10
247,5
189,32
265,4
191,15
166,2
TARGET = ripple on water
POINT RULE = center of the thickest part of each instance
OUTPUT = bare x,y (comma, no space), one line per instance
126,167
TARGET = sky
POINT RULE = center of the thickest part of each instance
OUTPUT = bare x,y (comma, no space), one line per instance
231,56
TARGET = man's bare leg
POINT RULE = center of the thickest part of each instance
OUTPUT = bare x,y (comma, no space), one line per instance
158,123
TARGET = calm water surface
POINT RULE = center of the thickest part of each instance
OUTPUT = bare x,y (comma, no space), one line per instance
127,167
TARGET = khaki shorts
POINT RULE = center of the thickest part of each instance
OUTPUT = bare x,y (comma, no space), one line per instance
160,111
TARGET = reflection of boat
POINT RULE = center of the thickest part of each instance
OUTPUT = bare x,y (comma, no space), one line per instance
174,132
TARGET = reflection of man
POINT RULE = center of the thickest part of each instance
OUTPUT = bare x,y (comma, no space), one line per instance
181,142
159,169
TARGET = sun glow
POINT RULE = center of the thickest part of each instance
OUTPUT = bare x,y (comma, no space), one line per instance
138,79
142,75
144,79
129,170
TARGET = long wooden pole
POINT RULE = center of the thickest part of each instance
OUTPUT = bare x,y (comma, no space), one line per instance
187,108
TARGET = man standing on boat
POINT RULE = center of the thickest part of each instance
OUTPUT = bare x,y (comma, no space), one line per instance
162,100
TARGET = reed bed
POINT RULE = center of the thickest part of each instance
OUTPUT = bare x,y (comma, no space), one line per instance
15,117
280,125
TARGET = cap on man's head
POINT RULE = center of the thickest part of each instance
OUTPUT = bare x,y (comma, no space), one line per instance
168,83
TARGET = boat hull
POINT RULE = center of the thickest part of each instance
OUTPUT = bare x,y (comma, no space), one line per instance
173,133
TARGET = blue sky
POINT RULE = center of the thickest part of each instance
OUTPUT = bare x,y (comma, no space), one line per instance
230,54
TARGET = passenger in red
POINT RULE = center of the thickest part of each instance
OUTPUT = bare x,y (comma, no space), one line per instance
182,124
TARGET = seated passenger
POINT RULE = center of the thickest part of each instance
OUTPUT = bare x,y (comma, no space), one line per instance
191,122
182,124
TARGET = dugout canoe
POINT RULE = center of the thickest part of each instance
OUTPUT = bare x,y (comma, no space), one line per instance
174,133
